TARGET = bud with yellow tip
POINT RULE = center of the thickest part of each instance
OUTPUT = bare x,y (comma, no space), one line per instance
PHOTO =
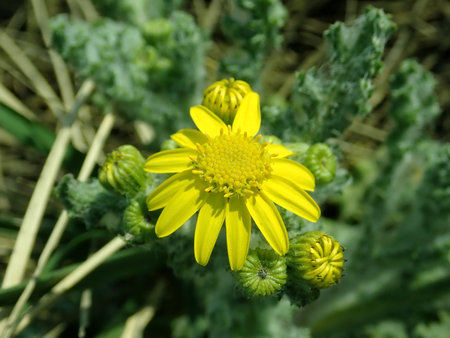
317,258
224,97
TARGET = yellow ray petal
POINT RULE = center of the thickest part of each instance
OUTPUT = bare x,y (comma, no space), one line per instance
170,161
238,223
248,116
269,222
290,197
180,208
209,223
278,151
188,138
162,195
294,172
206,121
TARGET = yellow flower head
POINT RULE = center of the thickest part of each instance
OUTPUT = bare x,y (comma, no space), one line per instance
223,171
224,97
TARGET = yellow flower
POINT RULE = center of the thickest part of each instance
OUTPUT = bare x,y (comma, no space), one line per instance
229,176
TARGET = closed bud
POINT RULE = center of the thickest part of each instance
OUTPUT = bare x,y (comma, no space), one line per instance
317,258
320,159
123,171
263,273
136,223
156,30
224,97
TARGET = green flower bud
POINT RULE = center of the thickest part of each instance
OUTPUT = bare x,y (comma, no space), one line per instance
320,159
317,258
159,29
263,273
136,223
224,97
123,171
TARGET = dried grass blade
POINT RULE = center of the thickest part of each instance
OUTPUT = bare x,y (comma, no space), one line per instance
40,84
61,71
9,99
35,211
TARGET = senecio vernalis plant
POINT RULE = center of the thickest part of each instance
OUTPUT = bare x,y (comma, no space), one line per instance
232,207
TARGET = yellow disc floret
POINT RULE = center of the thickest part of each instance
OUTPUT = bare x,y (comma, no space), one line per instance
224,97
233,163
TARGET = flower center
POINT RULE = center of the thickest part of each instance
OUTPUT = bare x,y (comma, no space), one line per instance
233,163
